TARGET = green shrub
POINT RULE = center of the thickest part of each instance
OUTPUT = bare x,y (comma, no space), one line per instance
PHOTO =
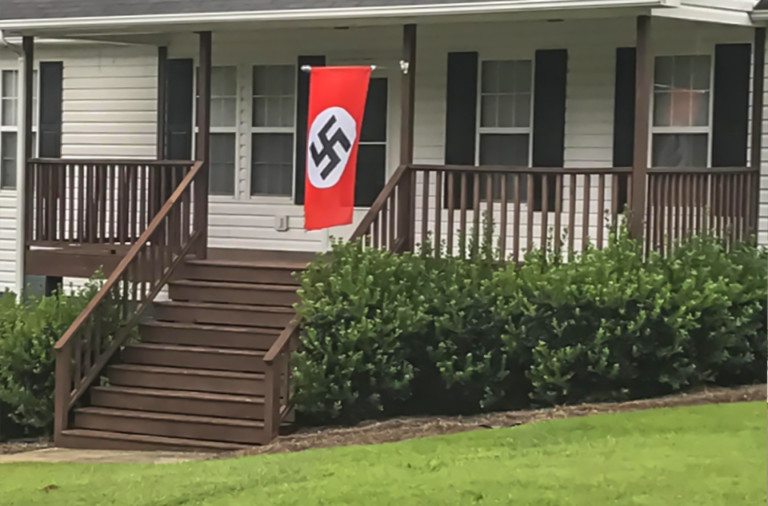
391,334
28,332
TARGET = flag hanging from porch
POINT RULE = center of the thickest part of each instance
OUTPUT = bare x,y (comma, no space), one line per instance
336,102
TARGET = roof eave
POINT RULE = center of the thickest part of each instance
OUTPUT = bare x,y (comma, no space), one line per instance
211,18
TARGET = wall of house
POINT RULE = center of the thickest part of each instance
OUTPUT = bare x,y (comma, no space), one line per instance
110,104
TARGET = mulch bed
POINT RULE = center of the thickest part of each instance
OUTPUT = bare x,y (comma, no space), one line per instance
24,446
399,429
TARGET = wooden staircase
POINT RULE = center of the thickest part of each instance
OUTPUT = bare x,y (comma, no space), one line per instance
195,380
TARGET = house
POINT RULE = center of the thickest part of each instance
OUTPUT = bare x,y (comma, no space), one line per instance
165,141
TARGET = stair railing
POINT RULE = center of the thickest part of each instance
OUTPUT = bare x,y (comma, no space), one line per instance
387,225
109,320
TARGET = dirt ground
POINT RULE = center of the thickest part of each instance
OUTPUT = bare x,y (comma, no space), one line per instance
399,429
12,447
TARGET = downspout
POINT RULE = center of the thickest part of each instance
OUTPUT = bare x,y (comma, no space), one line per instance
20,170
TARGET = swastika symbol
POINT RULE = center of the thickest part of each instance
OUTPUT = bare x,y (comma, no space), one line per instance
329,147
332,136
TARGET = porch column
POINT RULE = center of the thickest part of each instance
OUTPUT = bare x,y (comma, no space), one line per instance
202,153
162,94
406,211
756,142
643,72
24,152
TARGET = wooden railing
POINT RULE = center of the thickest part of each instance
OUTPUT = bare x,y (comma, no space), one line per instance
110,318
106,202
682,202
522,208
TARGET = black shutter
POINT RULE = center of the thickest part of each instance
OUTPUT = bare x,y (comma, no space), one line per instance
461,116
548,118
730,105
302,109
372,151
624,117
178,109
51,77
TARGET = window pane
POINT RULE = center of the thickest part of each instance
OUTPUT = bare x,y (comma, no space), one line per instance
222,173
663,72
224,81
680,108
506,76
488,107
522,110
506,150
9,111
701,71
682,72
272,159
10,84
680,150
506,106
700,106
8,160
662,108
273,96
223,112
489,77
523,76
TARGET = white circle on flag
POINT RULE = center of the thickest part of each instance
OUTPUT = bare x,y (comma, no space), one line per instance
331,137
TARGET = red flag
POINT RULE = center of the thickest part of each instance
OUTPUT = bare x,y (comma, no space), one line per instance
336,103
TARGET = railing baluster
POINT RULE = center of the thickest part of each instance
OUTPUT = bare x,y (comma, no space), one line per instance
424,207
451,204
573,179
558,210
438,212
61,201
544,211
530,204
503,216
392,221
50,205
585,212
517,220
600,209
476,212
463,216
677,206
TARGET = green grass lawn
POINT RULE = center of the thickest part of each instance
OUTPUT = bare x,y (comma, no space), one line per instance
706,455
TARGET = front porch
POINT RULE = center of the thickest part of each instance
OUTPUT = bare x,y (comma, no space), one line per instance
452,157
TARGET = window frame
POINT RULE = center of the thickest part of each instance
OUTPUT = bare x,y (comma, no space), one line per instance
481,130
682,130
14,129
249,130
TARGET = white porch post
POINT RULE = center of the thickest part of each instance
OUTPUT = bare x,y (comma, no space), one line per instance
23,153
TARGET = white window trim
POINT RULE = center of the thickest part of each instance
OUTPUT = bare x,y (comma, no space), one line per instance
15,128
235,130
248,103
683,129
481,130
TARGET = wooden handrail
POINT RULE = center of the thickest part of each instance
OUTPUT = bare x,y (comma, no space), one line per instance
378,204
113,161
280,343
128,258
515,169
703,170
86,348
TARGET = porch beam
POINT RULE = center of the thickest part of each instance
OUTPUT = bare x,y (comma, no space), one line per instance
202,152
24,149
756,142
406,212
643,73
162,96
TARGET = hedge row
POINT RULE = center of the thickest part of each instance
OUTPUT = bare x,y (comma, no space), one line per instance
392,334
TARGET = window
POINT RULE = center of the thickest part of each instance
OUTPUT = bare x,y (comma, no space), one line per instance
505,116
274,88
372,151
223,130
681,111
9,107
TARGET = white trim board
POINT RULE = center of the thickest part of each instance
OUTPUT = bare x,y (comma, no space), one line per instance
487,7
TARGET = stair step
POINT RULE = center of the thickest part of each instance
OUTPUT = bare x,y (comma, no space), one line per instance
237,293
176,401
197,380
107,440
171,425
263,271
220,336
194,357
224,314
